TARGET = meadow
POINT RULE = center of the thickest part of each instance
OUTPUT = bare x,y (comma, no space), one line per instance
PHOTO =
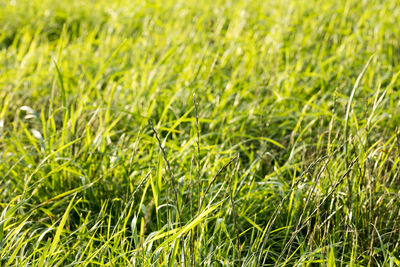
199,133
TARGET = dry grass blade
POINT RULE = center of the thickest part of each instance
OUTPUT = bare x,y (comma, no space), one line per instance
174,186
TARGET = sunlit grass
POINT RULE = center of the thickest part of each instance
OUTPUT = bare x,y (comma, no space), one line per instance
199,133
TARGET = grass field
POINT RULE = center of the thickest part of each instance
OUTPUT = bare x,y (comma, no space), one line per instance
199,133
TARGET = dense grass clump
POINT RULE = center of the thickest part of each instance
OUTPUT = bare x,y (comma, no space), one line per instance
199,133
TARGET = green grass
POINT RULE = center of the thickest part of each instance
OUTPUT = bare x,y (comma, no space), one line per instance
199,133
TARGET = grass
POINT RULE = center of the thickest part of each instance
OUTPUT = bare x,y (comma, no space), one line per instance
199,133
